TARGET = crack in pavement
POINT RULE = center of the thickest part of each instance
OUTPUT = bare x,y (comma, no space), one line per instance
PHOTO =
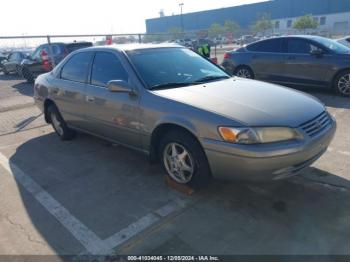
29,237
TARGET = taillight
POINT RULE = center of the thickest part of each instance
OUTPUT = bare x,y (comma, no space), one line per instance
46,61
47,65
227,56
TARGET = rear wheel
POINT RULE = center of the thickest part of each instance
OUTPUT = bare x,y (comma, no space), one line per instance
342,83
244,72
183,159
28,75
58,123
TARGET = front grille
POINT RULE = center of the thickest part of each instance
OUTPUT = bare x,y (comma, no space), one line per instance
317,125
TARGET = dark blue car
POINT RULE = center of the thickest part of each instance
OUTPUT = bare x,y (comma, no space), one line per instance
294,60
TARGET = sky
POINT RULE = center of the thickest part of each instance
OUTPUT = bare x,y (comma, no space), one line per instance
48,17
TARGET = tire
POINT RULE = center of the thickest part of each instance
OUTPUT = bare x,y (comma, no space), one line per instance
341,83
244,72
186,164
28,75
19,70
5,71
58,124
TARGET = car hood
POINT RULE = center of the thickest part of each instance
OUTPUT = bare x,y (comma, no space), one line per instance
250,102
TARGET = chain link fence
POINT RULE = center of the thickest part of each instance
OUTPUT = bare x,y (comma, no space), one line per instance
17,53
49,50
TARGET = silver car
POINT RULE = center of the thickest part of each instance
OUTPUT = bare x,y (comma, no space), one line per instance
185,112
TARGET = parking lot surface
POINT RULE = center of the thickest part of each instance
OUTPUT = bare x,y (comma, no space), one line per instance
88,196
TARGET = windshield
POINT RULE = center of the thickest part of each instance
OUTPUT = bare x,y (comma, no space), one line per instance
173,67
333,45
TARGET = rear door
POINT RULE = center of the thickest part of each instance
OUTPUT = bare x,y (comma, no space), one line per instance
112,115
302,67
268,59
69,89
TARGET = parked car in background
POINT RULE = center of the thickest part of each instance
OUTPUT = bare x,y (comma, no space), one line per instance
12,64
246,39
294,60
185,112
220,40
40,62
184,42
345,41
2,58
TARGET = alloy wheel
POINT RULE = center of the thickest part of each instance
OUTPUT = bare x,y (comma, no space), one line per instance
178,163
56,124
244,73
344,85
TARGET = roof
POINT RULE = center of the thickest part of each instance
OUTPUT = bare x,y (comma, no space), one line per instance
294,36
130,47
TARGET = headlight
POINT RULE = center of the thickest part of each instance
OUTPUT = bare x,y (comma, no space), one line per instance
259,135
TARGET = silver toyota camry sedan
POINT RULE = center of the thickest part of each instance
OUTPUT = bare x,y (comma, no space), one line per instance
185,112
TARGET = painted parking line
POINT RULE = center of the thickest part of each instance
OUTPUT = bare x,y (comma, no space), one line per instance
345,153
91,242
86,237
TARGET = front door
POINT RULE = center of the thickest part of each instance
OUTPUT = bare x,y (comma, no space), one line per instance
112,115
302,67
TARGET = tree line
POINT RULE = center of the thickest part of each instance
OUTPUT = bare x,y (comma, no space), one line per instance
263,24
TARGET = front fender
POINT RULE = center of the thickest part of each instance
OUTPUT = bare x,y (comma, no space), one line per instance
179,121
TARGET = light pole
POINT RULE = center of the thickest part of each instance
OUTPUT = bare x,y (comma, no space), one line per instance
181,17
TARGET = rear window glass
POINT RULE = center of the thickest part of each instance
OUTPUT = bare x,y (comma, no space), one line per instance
76,69
56,49
76,46
268,46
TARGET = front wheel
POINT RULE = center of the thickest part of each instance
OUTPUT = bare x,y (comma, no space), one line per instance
342,83
184,160
58,124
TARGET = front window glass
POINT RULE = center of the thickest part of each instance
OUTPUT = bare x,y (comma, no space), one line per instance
107,67
299,46
267,46
160,66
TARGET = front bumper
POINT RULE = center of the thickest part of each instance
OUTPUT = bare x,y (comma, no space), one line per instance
265,162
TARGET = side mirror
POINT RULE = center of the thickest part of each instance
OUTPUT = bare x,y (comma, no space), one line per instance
120,86
317,52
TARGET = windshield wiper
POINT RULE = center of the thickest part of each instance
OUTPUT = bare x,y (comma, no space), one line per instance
211,78
169,85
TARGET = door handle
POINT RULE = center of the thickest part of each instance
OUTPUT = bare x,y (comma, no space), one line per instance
90,99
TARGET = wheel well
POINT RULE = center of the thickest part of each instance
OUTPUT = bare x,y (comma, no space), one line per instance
337,74
47,103
157,135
